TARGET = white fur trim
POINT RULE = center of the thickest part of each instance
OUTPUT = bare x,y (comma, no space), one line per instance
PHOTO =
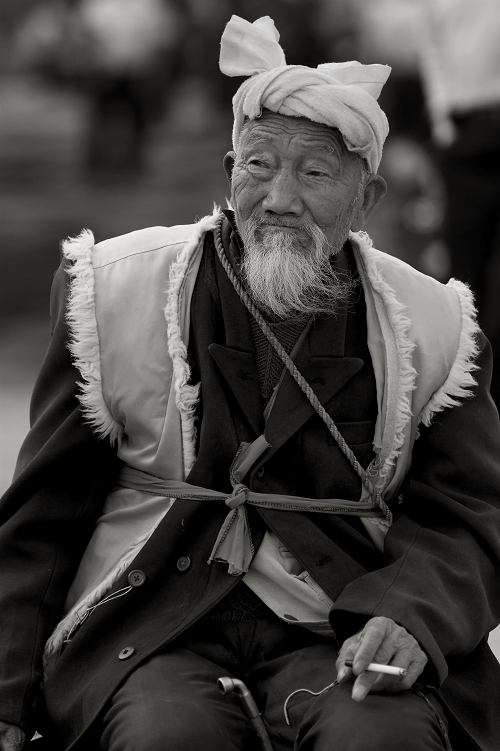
85,349
400,369
84,341
460,380
186,395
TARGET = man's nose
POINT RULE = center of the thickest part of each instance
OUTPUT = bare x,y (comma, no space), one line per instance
283,195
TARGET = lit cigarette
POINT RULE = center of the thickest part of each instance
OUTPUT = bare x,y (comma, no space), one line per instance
374,667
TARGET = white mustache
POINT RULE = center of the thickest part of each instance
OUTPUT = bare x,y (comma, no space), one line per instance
257,222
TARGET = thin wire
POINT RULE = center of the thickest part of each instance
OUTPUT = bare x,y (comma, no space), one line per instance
88,611
304,690
295,373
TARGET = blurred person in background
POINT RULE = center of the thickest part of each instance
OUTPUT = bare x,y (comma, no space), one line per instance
300,32
124,55
389,31
460,64
295,551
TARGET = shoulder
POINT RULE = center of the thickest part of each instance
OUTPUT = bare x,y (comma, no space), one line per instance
167,240
83,246
389,266
435,322
421,294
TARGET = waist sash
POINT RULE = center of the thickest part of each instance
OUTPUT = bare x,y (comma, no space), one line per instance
234,542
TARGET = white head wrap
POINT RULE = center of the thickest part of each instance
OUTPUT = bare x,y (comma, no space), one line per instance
341,95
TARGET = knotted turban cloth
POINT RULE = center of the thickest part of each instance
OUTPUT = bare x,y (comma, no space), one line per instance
340,95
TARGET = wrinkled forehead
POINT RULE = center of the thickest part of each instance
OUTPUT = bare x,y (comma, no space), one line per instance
275,128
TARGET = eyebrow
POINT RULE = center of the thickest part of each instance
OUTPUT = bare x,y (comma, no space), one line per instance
324,147
254,139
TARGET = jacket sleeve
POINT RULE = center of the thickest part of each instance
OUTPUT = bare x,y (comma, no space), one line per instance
46,520
442,553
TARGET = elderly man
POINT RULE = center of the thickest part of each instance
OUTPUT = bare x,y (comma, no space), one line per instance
237,487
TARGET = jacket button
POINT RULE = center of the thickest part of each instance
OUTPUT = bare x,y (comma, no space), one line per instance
126,653
260,473
136,578
184,563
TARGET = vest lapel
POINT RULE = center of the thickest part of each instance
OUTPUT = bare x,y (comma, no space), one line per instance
320,359
236,357
239,370
322,363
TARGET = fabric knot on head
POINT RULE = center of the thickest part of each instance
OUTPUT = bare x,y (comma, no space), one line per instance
339,95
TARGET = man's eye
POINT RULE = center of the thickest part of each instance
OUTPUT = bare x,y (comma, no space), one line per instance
317,173
257,163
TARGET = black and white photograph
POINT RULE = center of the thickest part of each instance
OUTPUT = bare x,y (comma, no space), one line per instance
249,375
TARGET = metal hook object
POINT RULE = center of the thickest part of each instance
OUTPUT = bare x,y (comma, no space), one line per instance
299,691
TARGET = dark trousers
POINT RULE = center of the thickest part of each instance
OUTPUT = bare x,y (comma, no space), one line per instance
172,703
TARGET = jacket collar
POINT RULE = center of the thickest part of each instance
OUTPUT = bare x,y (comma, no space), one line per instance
321,360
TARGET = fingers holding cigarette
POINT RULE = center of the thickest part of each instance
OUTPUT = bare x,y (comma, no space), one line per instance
366,657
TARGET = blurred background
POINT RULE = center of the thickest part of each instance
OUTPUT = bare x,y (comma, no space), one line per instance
114,116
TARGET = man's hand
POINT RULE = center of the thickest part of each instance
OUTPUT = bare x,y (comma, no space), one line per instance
380,640
12,738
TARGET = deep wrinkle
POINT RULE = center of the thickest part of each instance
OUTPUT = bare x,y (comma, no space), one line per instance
269,142
262,143
336,148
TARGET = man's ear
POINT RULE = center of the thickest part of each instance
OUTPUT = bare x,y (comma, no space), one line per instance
374,192
228,163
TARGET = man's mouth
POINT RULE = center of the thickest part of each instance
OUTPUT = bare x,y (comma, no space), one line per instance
288,228
280,227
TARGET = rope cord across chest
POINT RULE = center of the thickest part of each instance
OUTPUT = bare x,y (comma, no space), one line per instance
295,373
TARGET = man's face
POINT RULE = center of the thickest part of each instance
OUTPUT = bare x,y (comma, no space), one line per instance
296,192
289,172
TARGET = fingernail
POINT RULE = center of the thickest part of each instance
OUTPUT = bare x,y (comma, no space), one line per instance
342,673
359,693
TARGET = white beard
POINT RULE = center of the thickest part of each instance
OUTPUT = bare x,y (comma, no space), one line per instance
291,275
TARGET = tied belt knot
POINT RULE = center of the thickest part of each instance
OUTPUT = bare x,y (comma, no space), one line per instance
238,496
234,541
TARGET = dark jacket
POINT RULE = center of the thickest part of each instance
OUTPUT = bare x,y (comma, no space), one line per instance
438,576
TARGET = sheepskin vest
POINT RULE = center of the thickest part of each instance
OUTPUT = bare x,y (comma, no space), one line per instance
128,314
